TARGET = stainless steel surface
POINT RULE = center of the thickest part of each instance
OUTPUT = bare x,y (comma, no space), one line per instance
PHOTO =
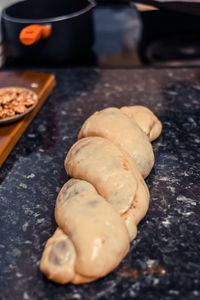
3,3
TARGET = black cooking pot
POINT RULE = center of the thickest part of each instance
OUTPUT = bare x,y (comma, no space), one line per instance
47,31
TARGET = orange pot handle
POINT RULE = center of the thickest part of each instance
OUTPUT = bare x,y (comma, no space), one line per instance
31,34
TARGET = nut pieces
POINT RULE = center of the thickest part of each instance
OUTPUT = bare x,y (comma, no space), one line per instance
15,101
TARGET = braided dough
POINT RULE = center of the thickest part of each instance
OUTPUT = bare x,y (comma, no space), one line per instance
98,210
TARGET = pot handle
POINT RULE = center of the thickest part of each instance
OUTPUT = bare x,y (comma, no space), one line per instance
31,34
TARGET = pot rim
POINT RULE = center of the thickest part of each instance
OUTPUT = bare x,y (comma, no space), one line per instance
92,4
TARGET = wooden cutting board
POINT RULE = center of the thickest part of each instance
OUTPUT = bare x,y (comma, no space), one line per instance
42,84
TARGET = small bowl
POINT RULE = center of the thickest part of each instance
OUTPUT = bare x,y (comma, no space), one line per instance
19,116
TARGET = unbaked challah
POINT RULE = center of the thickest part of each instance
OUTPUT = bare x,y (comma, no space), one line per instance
99,208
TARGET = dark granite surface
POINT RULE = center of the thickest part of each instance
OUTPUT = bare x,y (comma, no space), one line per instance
164,261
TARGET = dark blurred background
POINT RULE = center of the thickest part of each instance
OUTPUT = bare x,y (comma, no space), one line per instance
129,35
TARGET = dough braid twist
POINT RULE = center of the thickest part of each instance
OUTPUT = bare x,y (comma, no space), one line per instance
98,210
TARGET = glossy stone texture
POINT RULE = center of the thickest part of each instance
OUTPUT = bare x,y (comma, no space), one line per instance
164,261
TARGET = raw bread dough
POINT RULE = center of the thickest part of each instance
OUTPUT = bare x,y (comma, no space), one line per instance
98,210
115,125
146,120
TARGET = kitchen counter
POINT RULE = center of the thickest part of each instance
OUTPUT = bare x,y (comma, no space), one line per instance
164,261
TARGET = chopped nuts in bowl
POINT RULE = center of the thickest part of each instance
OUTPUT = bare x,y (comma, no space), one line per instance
15,103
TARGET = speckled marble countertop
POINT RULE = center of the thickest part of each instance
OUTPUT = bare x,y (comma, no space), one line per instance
164,261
